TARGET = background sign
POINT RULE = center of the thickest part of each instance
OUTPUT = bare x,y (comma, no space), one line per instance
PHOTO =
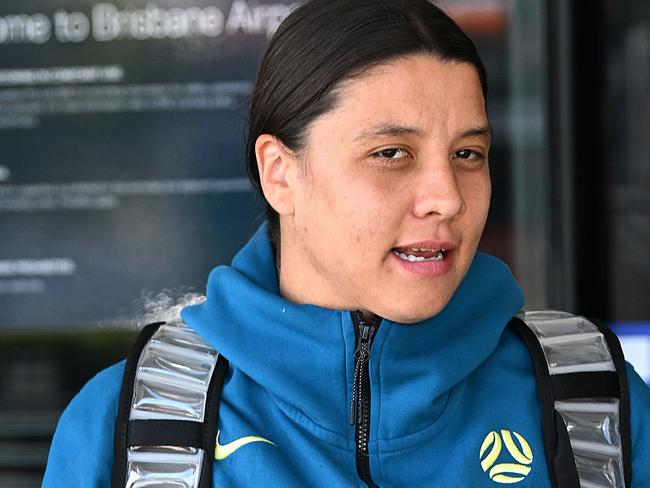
122,150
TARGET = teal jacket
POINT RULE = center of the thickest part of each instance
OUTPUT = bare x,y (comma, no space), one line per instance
438,389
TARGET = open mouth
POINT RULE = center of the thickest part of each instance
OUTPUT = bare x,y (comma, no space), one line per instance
416,254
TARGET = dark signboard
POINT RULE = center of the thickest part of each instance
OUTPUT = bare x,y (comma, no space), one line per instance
121,150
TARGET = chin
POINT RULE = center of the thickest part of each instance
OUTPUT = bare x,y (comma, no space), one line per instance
412,313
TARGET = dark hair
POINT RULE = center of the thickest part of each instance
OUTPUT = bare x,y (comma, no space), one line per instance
323,42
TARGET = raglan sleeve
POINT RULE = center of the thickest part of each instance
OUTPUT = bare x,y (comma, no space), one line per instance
81,453
640,429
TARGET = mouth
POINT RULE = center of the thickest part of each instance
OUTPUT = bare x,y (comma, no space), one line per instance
426,258
418,254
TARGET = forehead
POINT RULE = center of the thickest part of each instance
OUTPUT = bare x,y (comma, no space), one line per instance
438,97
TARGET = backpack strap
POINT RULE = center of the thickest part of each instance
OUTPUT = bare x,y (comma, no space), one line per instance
583,391
165,431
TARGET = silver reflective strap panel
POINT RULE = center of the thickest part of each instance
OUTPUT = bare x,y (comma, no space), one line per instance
171,383
572,344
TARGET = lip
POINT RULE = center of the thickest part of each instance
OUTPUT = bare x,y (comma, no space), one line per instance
429,244
427,268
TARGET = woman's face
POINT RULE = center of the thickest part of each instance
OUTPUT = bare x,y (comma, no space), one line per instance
392,196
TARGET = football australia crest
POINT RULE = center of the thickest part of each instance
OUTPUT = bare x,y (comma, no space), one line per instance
508,466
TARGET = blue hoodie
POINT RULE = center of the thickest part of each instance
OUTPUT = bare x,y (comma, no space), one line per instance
438,389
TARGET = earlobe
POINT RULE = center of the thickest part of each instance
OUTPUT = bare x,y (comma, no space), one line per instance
277,170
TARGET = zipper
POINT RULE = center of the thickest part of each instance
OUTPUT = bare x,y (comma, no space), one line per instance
360,404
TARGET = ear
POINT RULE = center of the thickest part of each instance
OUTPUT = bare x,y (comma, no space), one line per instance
277,169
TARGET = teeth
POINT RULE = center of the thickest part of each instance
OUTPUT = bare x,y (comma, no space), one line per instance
411,258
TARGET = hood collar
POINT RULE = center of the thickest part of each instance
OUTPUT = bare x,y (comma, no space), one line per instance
303,354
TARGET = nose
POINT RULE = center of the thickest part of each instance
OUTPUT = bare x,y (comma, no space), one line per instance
438,193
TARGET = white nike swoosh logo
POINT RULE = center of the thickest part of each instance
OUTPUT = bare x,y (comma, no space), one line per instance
221,452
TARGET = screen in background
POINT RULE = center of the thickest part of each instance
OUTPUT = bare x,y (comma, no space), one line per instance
122,165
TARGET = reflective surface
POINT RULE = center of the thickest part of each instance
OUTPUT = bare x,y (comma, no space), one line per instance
570,343
171,382
173,375
573,344
156,468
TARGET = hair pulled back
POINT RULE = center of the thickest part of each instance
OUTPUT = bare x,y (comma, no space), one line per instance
324,42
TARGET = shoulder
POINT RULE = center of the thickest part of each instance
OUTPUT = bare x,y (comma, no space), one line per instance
639,392
512,354
81,453
639,427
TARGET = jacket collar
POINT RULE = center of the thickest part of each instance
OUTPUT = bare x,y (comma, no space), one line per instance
303,354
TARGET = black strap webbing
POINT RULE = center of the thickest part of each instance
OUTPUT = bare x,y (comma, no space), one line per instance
211,419
592,384
155,432
178,433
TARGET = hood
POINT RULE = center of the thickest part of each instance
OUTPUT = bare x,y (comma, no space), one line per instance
303,355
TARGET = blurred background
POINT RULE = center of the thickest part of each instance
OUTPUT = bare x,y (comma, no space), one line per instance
122,173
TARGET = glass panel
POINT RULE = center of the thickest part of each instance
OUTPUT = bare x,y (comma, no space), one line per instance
626,184
528,146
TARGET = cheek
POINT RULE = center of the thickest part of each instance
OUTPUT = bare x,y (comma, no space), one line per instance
360,223
326,218
357,212
377,207
390,196
315,201
477,193
481,193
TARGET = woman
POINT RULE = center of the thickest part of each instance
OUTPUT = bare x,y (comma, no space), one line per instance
366,337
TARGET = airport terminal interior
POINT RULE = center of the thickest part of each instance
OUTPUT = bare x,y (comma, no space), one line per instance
122,177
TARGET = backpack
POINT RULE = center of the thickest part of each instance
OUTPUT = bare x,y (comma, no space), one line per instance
169,403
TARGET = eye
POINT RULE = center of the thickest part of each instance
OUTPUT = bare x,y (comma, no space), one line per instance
470,157
394,153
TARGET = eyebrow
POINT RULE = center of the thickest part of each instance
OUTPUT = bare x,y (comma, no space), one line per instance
483,130
400,130
389,130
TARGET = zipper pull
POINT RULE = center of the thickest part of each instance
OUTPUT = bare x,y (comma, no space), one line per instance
361,354
365,331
